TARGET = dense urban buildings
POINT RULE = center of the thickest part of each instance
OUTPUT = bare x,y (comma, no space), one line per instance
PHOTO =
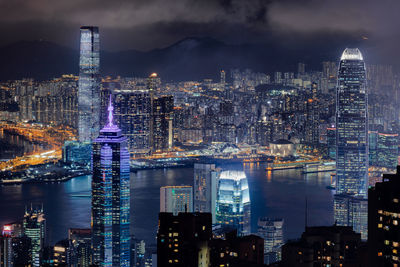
176,199
351,142
89,84
233,201
111,196
132,113
310,120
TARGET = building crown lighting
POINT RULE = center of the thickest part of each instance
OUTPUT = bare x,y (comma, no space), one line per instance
351,54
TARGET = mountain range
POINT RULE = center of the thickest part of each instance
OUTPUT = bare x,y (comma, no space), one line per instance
188,59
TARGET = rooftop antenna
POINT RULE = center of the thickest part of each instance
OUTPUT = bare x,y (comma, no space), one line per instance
110,112
306,214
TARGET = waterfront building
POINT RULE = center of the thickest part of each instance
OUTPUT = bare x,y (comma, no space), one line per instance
161,134
331,142
384,220
176,199
205,188
233,201
271,230
34,227
351,140
89,84
132,113
323,246
111,196
311,135
77,152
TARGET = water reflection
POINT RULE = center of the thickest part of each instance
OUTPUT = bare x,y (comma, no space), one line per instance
275,194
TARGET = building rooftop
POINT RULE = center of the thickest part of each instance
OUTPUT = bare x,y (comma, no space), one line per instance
351,54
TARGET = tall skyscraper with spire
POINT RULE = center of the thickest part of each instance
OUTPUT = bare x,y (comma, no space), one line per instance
89,84
110,196
351,142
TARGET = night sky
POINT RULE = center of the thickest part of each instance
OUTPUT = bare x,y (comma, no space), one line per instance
149,24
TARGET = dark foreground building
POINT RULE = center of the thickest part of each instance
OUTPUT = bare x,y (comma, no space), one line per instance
383,221
323,246
186,240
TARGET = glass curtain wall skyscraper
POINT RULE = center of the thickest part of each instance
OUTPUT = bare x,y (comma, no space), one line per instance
351,142
110,197
89,84
233,201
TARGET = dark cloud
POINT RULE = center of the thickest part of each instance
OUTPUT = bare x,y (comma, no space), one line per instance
148,24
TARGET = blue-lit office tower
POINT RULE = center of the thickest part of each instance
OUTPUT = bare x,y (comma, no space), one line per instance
351,143
110,196
233,201
89,85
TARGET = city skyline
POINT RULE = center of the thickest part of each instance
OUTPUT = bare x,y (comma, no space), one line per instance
145,170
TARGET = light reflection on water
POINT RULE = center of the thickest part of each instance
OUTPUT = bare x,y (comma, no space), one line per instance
275,194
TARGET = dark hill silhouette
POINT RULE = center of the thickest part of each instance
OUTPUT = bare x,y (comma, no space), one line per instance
188,59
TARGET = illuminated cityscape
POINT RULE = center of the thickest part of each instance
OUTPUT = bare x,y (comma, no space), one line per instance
225,133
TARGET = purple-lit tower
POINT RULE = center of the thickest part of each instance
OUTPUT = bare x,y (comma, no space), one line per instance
110,196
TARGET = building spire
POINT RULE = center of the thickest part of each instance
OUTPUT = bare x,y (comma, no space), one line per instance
110,114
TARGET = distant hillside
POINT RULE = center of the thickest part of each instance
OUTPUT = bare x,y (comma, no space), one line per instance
190,58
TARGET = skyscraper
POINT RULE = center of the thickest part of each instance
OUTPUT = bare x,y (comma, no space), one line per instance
89,84
176,199
34,227
233,201
271,230
110,196
132,113
351,141
161,135
205,188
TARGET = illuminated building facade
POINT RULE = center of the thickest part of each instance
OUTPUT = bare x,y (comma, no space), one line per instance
110,197
384,221
331,142
205,188
80,247
161,134
271,230
387,150
34,227
132,113
351,142
176,199
89,84
233,201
